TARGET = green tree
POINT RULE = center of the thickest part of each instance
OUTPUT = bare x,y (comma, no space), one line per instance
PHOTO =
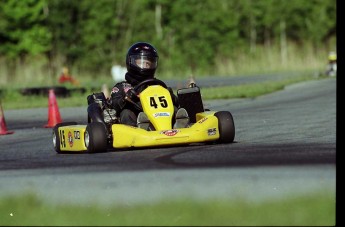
23,32
190,35
22,28
63,22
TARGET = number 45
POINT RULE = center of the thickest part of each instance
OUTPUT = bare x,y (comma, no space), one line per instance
162,101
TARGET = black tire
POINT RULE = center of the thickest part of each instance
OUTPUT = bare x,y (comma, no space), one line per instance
96,137
59,91
29,91
226,126
56,138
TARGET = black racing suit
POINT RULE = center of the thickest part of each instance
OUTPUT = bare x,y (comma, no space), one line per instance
127,112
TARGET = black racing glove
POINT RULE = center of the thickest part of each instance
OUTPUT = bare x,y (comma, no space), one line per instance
131,95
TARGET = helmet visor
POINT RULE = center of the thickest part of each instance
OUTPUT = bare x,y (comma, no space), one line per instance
144,62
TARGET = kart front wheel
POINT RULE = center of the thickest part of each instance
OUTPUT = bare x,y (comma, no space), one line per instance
226,126
95,137
56,136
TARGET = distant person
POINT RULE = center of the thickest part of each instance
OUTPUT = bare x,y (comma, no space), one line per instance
332,64
118,73
66,77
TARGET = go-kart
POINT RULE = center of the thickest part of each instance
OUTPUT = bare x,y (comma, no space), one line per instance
205,126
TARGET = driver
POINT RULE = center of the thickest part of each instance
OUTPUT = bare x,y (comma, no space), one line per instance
141,62
332,64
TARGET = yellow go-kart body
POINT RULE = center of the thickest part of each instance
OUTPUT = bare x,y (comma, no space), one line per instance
157,104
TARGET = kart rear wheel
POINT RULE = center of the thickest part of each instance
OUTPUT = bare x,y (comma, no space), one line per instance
226,126
95,137
56,137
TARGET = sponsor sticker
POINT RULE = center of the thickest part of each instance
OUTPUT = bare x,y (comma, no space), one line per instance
115,90
171,132
161,114
126,87
203,120
77,135
70,139
211,131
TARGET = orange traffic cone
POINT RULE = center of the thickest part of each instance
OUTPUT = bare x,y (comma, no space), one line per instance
53,111
3,128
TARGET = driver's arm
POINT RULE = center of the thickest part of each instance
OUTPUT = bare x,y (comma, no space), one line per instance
117,97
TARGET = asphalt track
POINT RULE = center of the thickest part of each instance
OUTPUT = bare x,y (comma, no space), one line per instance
285,145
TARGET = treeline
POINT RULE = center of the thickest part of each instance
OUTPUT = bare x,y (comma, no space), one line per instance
189,34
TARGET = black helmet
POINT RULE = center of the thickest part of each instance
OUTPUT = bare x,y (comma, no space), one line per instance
142,61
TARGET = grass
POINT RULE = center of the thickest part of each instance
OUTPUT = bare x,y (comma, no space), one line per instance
12,99
251,90
313,209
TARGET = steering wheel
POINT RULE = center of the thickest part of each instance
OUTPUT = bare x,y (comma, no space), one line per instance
152,81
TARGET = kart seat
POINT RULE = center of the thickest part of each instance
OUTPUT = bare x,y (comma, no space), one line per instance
190,99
